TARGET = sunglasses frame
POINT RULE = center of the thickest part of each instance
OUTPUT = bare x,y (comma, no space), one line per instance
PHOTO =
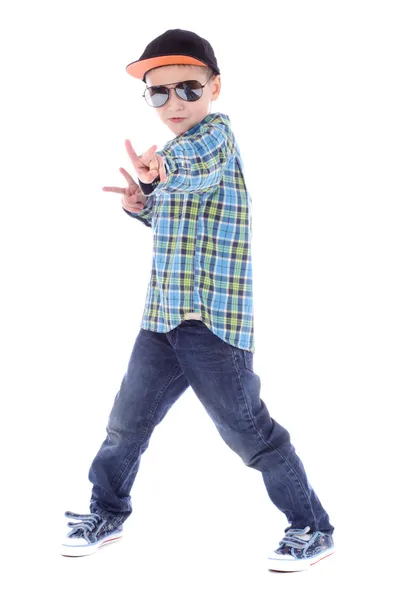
174,88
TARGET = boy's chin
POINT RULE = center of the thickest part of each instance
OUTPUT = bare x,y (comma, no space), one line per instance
178,128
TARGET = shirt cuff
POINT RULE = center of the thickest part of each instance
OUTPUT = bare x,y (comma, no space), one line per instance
137,216
148,188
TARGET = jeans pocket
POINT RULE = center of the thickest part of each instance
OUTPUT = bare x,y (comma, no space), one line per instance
248,360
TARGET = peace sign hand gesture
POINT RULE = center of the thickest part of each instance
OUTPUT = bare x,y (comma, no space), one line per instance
132,198
149,165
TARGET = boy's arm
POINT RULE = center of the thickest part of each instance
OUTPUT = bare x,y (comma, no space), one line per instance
196,162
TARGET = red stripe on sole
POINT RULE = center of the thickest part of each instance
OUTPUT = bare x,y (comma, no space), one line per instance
317,561
111,540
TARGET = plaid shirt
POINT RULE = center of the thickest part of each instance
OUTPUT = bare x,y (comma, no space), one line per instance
201,221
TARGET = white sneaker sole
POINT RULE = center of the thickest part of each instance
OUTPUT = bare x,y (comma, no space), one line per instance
87,549
297,564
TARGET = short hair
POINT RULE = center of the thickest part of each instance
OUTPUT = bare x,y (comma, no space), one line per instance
209,72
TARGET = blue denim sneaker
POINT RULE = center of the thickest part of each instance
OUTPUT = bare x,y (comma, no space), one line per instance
300,549
90,533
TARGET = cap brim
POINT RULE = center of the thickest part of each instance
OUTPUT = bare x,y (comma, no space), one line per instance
140,67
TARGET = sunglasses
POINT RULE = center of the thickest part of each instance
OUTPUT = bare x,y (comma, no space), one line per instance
190,91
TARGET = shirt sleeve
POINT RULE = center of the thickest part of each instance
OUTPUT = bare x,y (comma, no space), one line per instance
146,214
195,163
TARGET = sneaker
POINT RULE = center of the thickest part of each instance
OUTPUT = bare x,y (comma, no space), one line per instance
300,549
89,534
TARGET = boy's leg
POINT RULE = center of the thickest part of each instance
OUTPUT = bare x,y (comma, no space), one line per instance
152,383
222,377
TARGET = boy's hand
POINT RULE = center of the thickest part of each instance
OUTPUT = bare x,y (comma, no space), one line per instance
132,198
149,165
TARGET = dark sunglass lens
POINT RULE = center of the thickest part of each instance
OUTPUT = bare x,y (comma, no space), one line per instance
189,90
156,96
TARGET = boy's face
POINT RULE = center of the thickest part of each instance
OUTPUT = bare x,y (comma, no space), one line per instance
191,112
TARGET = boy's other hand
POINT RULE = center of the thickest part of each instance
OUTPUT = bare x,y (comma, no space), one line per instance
132,198
149,165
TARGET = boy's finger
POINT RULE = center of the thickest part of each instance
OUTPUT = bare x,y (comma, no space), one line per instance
153,164
162,171
148,155
118,190
137,206
149,176
134,209
130,202
132,154
128,177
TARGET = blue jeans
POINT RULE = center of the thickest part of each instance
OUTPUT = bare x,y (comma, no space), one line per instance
161,367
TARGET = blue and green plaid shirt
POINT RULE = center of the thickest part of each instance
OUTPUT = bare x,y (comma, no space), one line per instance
201,222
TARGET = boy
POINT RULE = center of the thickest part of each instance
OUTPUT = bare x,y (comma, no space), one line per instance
197,326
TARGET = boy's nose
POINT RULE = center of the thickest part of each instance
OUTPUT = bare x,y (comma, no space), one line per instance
174,102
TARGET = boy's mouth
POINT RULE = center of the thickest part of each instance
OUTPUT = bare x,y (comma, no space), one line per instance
177,120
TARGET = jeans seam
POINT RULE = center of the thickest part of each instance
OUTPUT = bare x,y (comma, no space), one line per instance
262,438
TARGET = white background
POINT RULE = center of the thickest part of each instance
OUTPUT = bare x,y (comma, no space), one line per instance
312,90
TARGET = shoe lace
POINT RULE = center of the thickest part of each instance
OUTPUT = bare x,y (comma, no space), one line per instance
292,538
86,525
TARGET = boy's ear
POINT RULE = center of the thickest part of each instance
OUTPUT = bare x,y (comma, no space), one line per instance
216,87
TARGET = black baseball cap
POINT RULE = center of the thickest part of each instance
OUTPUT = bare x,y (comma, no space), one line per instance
175,46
